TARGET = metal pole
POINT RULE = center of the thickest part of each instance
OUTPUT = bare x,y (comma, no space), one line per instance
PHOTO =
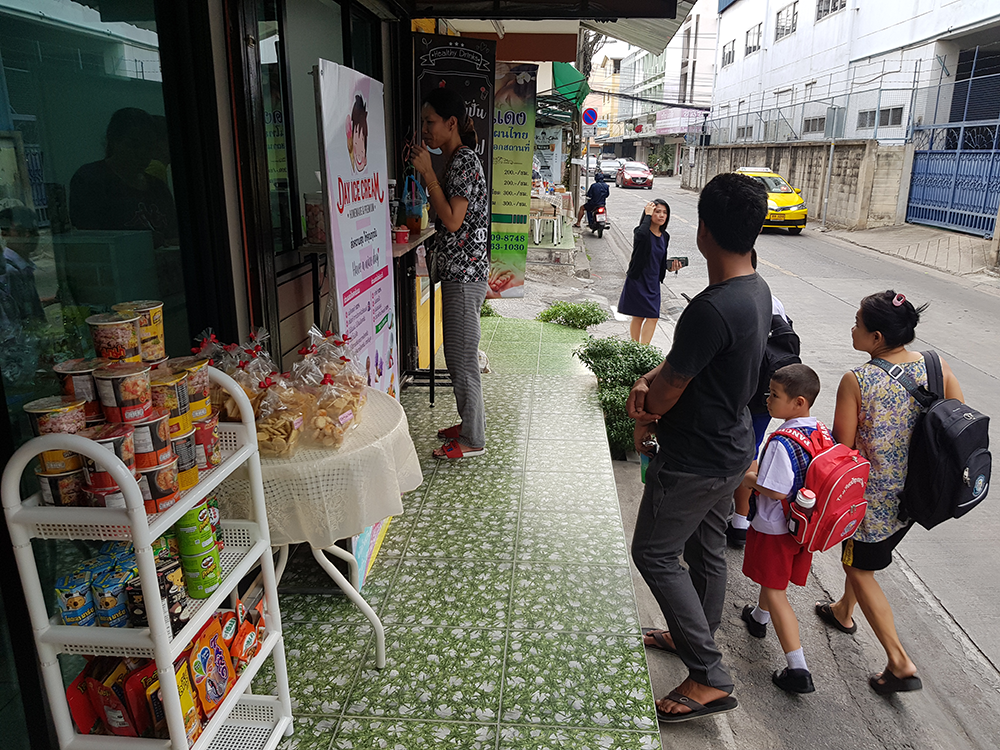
829,177
968,90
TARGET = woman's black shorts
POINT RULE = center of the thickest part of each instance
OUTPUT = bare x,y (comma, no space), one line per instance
871,555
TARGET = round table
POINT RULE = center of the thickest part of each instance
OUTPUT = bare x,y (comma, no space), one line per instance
320,496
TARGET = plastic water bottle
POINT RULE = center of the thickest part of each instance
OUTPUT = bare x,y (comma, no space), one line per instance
805,501
644,460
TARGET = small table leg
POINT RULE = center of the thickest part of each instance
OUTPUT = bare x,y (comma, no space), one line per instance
353,594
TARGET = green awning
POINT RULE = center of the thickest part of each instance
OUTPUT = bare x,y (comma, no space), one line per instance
568,82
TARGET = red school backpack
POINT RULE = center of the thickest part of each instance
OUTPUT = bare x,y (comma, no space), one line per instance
838,475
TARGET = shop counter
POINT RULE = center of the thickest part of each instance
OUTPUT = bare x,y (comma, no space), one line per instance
399,249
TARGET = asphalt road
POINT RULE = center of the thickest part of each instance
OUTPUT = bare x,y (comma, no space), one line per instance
945,584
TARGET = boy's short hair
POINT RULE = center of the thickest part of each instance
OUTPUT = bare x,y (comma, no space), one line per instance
798,380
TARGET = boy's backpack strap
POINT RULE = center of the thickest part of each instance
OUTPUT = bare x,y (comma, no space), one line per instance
813,440
922,396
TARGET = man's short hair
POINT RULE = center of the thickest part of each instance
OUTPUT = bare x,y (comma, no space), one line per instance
733,207
798,380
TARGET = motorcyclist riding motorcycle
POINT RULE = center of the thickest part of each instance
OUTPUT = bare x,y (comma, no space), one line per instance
597,195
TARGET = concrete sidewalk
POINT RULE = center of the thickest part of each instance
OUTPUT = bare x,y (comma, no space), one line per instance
952,252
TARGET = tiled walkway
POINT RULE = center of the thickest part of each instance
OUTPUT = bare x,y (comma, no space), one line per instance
504,587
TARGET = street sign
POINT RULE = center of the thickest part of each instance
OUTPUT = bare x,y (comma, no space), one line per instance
589,131
589,116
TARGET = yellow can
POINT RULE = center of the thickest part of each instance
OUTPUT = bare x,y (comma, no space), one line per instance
150,312
187,460
170,392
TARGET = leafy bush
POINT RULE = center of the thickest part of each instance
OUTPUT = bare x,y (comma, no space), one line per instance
617,363
580,315
488,311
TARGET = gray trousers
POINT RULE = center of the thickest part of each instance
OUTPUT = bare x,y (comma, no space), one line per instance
460,307
686,514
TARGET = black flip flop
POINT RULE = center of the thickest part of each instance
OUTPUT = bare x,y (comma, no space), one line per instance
698,711
824,613
660,642
891,684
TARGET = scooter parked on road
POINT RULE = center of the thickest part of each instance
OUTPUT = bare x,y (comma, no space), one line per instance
597,220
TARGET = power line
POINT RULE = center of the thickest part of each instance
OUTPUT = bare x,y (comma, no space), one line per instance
630,97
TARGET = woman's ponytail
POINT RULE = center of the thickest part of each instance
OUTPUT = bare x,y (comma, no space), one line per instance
468,133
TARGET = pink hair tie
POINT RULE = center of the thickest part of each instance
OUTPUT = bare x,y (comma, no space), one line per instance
898,300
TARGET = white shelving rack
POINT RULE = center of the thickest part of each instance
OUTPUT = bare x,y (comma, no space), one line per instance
243,721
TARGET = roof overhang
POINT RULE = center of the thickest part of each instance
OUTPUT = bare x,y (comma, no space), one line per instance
638,31
533,10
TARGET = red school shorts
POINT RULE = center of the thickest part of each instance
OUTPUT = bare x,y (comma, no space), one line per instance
775,560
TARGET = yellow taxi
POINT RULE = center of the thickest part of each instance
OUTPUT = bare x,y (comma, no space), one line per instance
785,208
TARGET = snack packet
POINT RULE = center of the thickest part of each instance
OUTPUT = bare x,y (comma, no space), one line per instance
280,419
211,667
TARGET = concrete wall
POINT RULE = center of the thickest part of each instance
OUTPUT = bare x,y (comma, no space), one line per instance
865,180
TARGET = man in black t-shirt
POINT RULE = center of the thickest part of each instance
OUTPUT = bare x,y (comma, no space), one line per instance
695,402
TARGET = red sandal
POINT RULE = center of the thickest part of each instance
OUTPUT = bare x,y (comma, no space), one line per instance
450,433
452,451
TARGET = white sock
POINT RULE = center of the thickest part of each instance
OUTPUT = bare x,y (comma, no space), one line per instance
796,659
762,616
740,522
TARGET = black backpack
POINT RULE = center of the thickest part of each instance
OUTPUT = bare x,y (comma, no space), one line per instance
782,349
948,469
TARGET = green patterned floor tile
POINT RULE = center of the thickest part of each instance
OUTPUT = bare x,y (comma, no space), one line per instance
577,680
555,427
557,738
580,598
455,593
571,538
303,573
450,674
489,324
394,543
465,487
323,660
582,494
514,364
472,534
511,329
335,606
561,365
310,734
564,348
397,734
569,456
556,333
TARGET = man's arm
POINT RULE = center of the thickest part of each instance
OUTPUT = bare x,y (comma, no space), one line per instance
655,393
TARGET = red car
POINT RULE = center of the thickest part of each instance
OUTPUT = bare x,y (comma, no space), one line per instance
634,174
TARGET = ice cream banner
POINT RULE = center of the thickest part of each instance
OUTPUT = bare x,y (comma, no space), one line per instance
513,154
355,184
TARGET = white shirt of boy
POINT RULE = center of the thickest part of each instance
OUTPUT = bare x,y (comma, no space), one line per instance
776,474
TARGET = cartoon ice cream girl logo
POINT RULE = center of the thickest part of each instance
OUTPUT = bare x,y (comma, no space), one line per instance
357,135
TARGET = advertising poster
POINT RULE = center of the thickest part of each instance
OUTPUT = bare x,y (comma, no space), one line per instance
355,184
465,65
513,154
548,153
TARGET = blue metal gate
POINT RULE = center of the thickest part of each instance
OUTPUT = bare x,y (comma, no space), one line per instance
955,181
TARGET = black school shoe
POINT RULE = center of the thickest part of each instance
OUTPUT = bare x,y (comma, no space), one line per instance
756,629
794,680
736,538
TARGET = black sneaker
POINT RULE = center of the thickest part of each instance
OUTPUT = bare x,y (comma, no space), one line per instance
756,629
794,680
736,538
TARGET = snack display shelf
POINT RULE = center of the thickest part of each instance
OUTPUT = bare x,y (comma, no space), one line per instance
242,552
253,722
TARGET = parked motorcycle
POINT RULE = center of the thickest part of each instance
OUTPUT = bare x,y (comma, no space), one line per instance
597,220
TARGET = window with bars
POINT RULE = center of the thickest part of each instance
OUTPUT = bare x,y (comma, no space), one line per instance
891,117
787,21
814,125
826,7
729,53
744,132
753,39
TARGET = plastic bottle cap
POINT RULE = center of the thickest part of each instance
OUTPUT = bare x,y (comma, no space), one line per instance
805,498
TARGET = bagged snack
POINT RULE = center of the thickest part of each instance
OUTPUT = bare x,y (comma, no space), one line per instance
106,688
211,667
136,685
75,600
189,699
80,708
281,419
229,625
333,411
110,597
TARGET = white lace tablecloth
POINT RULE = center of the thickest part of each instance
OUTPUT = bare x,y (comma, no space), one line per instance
322,495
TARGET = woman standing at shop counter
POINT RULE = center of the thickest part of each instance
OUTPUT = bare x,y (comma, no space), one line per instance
460,201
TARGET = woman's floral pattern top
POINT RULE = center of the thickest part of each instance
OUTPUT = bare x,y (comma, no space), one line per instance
465,253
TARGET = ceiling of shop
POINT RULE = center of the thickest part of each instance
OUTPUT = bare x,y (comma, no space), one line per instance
641,32
533,10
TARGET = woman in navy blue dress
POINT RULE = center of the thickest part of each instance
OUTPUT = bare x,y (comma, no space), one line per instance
646,271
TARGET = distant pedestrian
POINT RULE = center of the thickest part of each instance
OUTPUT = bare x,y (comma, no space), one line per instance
877,416
696,400
773,558
640,296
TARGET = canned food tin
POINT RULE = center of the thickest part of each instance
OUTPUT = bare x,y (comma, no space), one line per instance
187,460
76,600
64,489
125,392
78,381
203,573
57,414
152,440
110,598
150,314
206,439
170,392
159,486
158,364
107,497
199,384
117,438
195,533
116,336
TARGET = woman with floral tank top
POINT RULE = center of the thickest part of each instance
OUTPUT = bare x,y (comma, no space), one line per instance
461,202
876,415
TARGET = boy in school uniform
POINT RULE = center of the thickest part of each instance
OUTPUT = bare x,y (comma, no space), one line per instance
773,558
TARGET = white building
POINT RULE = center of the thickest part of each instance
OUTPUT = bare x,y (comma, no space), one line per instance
681,74
816,69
